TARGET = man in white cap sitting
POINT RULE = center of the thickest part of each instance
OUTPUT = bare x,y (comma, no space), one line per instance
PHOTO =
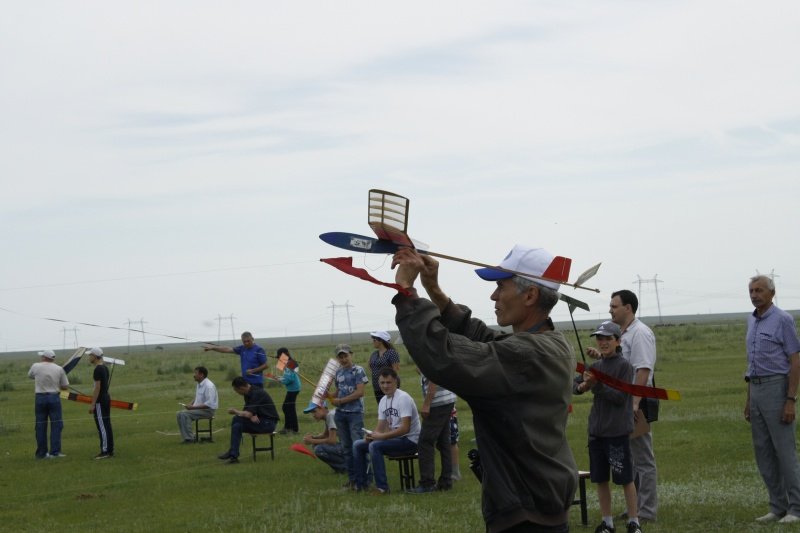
49,379
519,384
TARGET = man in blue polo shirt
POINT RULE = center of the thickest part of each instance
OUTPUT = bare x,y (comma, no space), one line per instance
773,372
252,356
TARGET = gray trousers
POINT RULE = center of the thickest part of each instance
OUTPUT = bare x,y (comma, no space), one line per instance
645,475
435,432
187,416
774,446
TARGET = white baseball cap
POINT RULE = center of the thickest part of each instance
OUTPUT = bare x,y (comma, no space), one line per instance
97,352
524,260
50,354
384,335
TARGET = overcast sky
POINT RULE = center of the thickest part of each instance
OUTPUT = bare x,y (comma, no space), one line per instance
174,162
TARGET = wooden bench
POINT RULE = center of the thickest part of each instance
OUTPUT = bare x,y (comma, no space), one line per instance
270,448
198,430
583,475
407,473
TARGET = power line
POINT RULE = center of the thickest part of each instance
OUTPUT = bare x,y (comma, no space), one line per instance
149,276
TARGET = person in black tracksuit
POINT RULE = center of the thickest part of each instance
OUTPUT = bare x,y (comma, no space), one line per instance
101,404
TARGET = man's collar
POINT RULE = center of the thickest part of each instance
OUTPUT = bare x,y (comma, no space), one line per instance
766,313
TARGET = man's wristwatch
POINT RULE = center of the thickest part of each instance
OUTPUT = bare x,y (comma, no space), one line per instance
792,398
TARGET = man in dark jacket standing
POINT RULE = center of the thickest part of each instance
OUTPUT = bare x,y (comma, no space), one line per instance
517,384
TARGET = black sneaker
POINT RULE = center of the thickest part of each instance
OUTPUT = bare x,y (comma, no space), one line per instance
223,456
633,527
232,460
422,489
104,455
604,528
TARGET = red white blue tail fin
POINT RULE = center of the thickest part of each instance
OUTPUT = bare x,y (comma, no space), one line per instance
558,269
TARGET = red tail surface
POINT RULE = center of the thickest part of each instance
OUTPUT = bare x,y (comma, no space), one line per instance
558,269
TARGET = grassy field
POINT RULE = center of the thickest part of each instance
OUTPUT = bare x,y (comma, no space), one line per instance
707,476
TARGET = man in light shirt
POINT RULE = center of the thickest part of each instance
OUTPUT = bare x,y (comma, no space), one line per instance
204,405
396,434
50,379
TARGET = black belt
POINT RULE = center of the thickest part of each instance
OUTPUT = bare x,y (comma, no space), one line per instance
45,393
758,380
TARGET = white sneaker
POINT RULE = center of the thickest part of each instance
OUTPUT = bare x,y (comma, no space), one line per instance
769,517
789,519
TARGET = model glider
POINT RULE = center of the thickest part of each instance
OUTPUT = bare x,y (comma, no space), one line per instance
73,360
299,448
83,398
630,388
388,218
284,361
77,396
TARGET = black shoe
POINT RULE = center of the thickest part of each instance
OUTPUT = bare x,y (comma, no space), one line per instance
633,527
232,460
223,456
422,489
603,528
104,455
187,441
444,486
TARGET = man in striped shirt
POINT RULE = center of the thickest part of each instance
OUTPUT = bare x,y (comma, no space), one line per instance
773,373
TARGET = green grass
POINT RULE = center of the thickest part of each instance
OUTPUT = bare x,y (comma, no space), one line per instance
707,477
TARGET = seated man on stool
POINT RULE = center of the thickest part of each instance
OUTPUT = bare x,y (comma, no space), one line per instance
396,434
257,416
204,405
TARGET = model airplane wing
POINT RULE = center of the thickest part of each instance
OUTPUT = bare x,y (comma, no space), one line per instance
387,215
73,360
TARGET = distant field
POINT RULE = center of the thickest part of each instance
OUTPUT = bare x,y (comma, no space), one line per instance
707,476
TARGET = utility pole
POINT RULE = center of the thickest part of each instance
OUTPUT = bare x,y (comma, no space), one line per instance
75,331
655,281
144,341
233,331
220,318
347,307
129,336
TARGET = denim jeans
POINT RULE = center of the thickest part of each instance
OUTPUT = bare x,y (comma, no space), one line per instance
333,455
48,406
376,450
349,426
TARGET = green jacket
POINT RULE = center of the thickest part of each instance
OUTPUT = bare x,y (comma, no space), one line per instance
519,388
